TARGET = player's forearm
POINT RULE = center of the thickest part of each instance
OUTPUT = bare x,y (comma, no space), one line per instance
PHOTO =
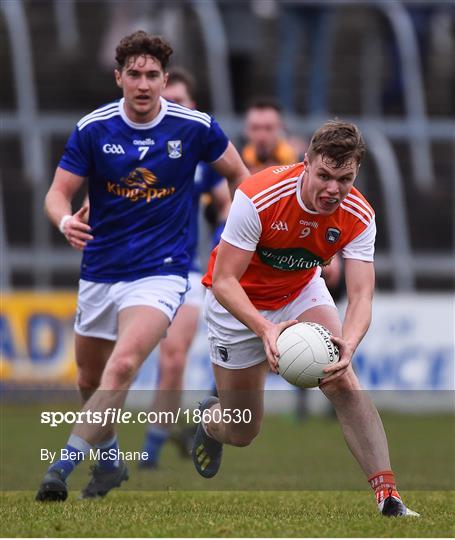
231,166
57,205
236,179
357,320
231,295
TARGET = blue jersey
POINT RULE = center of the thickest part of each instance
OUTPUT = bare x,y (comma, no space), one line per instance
205,179
141,185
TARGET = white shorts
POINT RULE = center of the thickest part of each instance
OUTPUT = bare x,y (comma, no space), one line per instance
195,296
98,304
234,346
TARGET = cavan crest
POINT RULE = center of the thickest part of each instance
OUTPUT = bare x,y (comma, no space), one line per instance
174,149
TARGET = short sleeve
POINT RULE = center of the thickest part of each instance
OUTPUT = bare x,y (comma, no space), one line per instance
215,142
362,247
76,157
243,226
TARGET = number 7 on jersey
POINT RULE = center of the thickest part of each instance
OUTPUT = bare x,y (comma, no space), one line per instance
142,150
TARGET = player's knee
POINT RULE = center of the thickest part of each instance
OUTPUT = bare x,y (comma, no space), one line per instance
173,363
86,387
87,384
345,384
121,370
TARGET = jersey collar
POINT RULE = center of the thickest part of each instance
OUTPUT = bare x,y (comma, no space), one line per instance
299,194
148,125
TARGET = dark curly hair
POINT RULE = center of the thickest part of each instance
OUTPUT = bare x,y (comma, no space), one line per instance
140,43
338,142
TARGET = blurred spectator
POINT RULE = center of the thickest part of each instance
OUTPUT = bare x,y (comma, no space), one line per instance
313,24
266,143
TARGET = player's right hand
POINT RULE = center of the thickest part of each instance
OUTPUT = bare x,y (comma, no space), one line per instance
77,230
269,337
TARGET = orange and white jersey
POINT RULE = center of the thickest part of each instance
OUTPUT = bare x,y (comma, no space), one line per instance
290,242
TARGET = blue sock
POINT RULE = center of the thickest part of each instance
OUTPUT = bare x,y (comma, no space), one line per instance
73,453
106,461
154,441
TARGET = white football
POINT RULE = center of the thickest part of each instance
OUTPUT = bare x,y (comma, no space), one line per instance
305,350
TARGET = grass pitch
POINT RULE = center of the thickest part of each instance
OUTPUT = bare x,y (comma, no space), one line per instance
287,455
295,480
225,514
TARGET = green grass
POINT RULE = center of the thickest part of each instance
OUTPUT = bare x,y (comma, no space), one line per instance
295,480
287,455
225,514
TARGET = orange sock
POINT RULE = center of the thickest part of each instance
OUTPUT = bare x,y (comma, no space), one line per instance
383,484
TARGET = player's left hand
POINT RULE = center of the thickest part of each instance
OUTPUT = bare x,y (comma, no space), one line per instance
339,368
